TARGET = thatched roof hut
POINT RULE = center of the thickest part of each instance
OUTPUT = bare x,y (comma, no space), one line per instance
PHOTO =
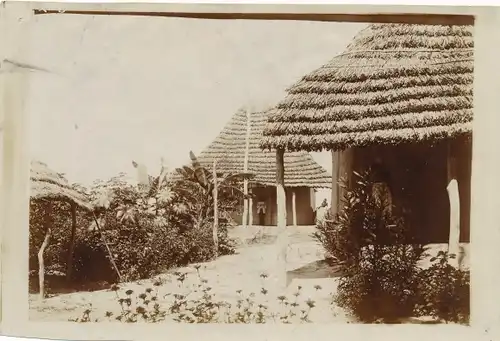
394,83
48,184
399,94
235,142
237,150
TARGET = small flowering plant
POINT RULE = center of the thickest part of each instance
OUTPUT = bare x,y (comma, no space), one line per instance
196,302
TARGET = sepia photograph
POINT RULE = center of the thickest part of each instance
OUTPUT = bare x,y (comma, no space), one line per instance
232,171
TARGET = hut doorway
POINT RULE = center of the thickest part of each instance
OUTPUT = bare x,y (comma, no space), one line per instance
417,176
264,206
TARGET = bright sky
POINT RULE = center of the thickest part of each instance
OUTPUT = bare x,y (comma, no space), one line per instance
137,88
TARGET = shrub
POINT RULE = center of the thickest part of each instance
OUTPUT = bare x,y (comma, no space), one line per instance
377,254
444,291
144,247
168,225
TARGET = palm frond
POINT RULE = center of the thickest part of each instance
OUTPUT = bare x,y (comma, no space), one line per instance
198,169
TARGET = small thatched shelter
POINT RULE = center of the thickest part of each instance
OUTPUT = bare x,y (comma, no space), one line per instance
236,150
401,95
48,186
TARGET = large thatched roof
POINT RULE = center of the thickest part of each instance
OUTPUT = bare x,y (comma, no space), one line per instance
48,184
230,146
394,83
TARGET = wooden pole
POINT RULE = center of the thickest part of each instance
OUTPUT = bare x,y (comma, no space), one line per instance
250,209
245,204
111,258
47,224
245,170
454,197
41,263
216,211
294,208
282,239
334,205
71,250
345,159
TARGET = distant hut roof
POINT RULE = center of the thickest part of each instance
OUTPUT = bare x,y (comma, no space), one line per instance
230,146
48,184
395,83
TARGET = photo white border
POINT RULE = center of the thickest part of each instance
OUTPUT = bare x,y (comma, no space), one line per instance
485,216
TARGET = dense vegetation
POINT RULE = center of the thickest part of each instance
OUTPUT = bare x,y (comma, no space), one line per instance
136,232
382,280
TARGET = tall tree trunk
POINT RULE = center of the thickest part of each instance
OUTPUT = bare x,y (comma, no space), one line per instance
41,263
216,211
71,250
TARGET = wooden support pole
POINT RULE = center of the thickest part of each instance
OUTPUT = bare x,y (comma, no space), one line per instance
345,159
250,210
41,263
245,204
71,249
282,240
334,205
245,170
454,197
216,211
111,258
294,208
47,225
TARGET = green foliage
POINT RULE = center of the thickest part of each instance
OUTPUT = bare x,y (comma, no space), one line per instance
168,225
382,280
444,291
57,251
378,257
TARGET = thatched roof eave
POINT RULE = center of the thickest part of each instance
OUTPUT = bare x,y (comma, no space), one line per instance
237,150
395,83
46,184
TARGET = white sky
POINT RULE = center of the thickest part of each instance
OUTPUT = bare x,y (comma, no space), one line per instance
137,88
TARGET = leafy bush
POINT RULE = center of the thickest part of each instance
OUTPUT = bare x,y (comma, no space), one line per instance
444,291
143,230
377,254
139,253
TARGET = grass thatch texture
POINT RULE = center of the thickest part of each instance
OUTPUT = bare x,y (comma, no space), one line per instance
395,83
230,145
48,184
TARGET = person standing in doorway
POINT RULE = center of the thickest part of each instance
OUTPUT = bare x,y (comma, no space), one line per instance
321,211
261,212
381,190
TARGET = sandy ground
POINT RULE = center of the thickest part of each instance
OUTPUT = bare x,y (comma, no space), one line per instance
255,255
